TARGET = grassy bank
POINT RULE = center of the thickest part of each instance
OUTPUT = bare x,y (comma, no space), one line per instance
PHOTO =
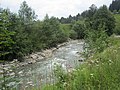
99,72
117,28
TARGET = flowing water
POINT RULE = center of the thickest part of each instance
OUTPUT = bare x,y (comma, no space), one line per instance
41,73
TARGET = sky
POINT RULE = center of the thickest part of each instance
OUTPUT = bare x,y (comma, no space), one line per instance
57,8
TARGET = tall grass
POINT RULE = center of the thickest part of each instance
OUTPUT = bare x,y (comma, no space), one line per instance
117,28
99,72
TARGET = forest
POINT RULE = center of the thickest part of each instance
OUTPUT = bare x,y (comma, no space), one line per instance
22,34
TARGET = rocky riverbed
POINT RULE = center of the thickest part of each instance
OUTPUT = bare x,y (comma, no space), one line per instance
39,56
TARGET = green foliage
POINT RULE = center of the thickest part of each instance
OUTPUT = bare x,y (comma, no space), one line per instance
79,28
89,13
117,27
95,41
61,77
73,35
105,18
51,32
70,19
26,14
115,5
6,41
30,35
68,31
66,28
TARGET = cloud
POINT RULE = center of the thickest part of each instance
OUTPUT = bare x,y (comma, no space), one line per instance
57,8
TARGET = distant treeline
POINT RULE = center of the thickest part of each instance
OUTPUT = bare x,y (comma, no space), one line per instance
115,6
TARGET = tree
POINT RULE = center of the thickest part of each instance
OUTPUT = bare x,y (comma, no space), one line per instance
119,11
26,14
103,17
6,41
89,13
79,28
92,10
95,41
25,29
51,32
115,5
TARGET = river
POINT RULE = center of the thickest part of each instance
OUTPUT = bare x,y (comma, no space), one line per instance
41,73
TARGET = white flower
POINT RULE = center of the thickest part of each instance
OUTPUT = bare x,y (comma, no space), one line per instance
64,84
91,75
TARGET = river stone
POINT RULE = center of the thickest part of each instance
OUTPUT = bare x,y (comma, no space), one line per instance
40,57
53,49
31,61
34,56
48,53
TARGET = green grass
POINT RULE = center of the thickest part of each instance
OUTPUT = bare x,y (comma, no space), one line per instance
99,72
117,28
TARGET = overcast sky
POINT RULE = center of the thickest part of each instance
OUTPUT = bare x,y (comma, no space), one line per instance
57,8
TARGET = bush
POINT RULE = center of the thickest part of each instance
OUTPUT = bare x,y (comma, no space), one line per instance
95,41
73,34
117,27
79,28
104,18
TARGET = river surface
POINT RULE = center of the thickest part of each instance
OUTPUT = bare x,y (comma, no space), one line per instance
41,73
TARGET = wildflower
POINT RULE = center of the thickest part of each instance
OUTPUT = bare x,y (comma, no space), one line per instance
97,61
69,70
91,75
65,83
110,60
